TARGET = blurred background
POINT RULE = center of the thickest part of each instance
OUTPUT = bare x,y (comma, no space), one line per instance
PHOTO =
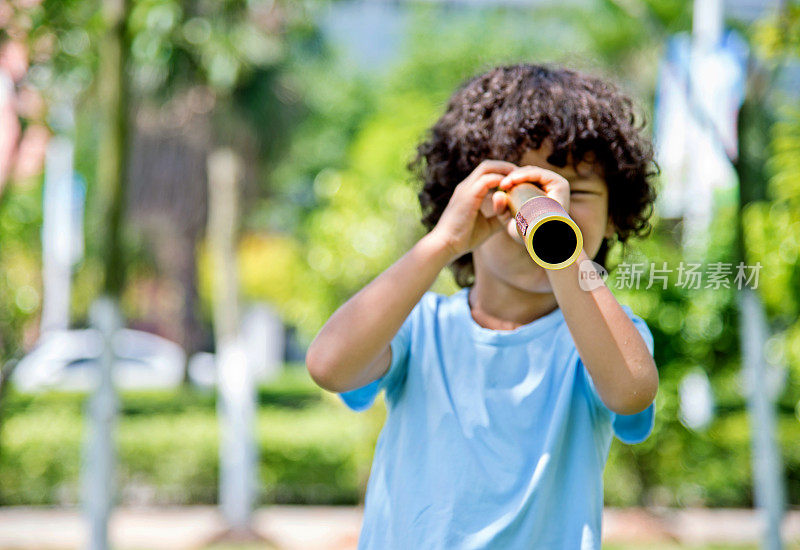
189,189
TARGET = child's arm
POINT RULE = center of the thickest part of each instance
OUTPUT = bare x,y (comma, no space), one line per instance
610,346
352,348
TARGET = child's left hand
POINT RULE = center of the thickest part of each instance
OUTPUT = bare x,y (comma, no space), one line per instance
554,185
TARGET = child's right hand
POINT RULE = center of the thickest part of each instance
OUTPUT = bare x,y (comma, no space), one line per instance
467,220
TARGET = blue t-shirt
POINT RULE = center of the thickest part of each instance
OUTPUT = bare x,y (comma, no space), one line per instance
493,439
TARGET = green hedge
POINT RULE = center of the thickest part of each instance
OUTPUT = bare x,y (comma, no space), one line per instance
293,389
314,450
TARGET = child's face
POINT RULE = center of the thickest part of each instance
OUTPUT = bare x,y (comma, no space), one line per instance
503,255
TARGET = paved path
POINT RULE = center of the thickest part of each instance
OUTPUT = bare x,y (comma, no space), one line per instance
336,528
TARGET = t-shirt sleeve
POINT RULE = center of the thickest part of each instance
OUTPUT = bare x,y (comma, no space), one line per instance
629,428
362,398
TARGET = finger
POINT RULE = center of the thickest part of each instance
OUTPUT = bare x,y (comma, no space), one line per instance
499,202
513,232
491,166
480,188
487,208
532,174
469,184
506,216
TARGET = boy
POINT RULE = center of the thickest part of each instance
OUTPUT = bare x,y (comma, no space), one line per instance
502,398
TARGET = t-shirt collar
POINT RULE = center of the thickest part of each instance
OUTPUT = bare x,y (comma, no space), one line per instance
535,328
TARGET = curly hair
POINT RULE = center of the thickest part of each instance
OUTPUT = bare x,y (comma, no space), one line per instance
509,109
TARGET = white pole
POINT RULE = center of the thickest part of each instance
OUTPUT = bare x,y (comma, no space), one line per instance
98,462
57,226
236,398
707,23
767,467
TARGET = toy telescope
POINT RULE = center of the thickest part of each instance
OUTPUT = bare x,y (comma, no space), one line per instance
552,238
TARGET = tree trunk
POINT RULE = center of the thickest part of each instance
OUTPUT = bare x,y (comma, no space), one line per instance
112,162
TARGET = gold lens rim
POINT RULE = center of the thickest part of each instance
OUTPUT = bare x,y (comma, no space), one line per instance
578,245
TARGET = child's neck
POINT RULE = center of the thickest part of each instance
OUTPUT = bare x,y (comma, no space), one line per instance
498,306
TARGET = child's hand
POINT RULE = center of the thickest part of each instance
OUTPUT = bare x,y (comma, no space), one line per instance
554,185
468,220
